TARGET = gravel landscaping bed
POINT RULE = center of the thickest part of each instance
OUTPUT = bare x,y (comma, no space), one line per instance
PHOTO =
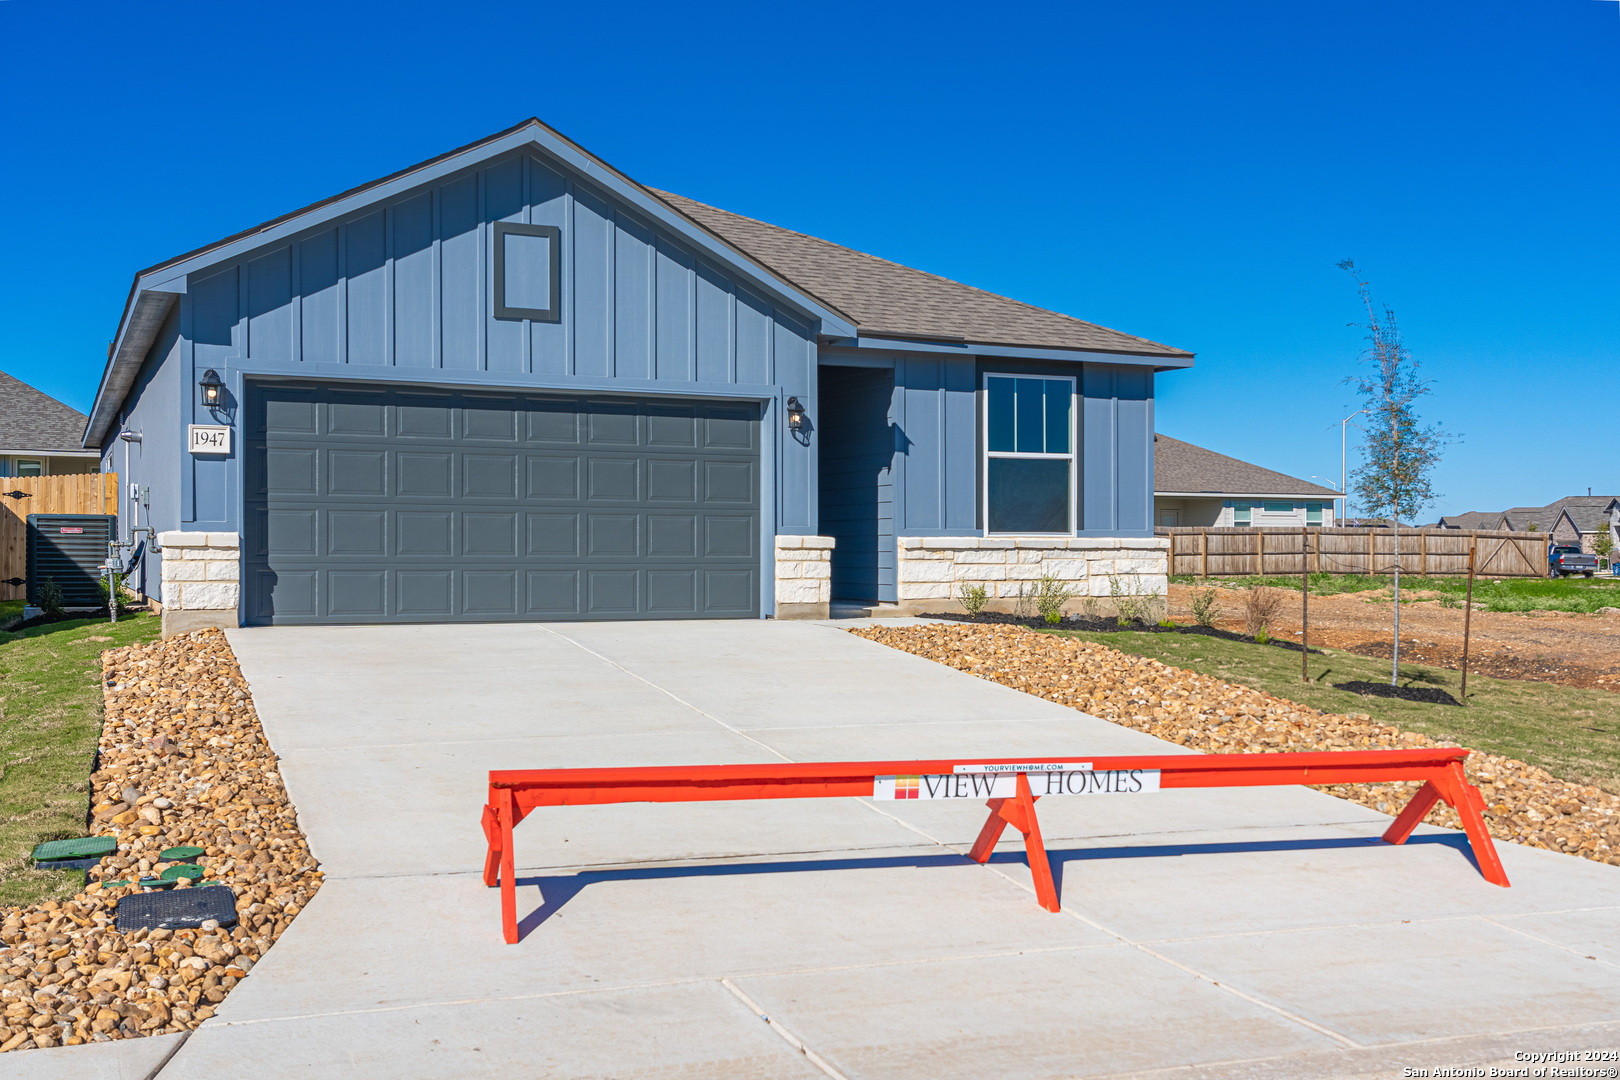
182,761
1526,805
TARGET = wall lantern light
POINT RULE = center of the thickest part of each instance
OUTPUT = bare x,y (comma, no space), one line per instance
213,391
795,414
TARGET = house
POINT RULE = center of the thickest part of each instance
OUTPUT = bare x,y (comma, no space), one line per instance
1194,486
1575,519
40,436
513,383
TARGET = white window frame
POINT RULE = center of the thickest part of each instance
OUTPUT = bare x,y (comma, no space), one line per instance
18,464
1073,456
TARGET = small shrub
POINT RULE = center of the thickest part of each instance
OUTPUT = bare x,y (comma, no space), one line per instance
1131,604
1261,606
1449,601
1261,637
1050,596
1024,602
1206,607
1090,607
1167,621
51,601
972,597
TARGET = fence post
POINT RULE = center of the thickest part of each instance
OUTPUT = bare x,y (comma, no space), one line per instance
1259,553
1372,553
1203,553
1423,553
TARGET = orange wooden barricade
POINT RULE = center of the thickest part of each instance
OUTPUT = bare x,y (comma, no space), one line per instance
1012,784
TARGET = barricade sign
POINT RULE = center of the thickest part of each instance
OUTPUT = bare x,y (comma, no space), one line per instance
1009,786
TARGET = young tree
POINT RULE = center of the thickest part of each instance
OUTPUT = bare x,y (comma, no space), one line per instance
1397,454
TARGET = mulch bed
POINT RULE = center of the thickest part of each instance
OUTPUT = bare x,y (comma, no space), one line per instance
1096,624
1429,695
182,761
1525,804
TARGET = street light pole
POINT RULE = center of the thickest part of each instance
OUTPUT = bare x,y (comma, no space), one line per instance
1344,462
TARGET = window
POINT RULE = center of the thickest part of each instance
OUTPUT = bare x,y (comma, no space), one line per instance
1313,513
528,272
1029,451
1240,514
26,467
1273,507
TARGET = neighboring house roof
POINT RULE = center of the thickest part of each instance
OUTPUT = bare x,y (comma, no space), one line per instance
888,299
1590,513
34,421
1180,468
1544,518
1474,520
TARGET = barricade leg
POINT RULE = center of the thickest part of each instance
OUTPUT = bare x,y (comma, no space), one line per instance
1415,812
993,826
507,813
1466,799
492,838
1040,867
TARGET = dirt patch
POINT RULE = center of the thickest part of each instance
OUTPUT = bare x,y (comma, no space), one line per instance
182,762
1556,647
1525,804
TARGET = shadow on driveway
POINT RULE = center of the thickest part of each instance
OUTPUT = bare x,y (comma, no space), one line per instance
557,890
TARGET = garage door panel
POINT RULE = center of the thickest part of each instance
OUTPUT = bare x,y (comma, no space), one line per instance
356,418
730,592
613,536
425,592
424,532
356,472
671,481
489,592
356,594
425,474
728,482
672,592
489,476
672,536
414,505
490,423
357,532
554,477
489,533
553,594
612,479
285,471
553,535
612,592
423,421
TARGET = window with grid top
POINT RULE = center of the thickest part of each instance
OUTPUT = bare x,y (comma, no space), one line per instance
1029,454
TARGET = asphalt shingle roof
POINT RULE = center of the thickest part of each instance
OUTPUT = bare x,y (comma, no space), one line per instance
886,298
30,420
1181,466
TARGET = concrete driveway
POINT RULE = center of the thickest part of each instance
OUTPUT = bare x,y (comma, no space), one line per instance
1239,933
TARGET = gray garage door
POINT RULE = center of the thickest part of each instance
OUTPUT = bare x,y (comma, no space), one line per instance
411,505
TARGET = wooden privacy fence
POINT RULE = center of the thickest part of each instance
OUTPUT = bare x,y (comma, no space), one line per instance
1241,552
80,493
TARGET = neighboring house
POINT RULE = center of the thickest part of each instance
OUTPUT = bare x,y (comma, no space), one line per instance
1194,486
1576,519
512,383
40,436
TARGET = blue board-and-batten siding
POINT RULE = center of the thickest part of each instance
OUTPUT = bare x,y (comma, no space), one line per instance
401,291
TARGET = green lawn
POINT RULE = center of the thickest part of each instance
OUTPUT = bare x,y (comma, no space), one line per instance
1583,595
1574,734
50,723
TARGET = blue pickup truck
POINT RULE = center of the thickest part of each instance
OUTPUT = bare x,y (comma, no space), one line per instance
1566,559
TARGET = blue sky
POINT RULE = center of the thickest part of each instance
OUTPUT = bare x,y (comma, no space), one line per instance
1189,172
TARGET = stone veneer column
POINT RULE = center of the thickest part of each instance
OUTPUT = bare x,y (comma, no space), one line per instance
202,574
803,576
932,569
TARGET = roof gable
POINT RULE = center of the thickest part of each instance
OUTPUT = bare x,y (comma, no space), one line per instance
32,420
1184,468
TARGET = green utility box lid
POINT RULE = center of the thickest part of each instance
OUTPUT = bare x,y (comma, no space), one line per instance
175,873
180,854
86,847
